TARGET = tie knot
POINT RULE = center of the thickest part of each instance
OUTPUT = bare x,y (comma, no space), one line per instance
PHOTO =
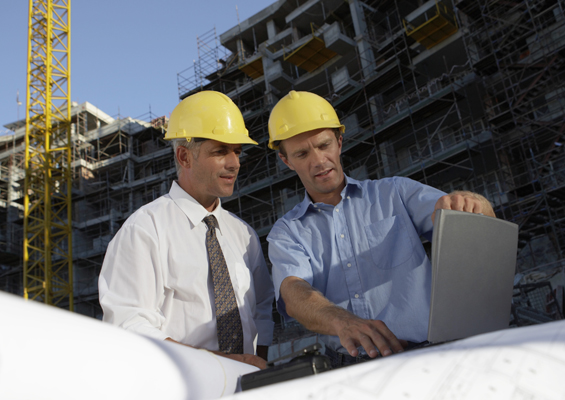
211,221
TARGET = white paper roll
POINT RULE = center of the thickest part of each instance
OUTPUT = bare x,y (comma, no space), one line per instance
48,353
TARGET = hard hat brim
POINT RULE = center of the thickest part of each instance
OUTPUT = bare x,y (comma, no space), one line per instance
229,139
303,128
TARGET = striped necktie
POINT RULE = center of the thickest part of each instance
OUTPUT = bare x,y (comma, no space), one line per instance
228,321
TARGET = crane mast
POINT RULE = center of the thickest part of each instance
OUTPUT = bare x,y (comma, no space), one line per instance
48,269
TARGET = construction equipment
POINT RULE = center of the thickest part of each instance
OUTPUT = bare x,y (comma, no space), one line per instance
48,270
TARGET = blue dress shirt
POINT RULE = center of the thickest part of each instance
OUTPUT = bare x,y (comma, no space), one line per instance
365,254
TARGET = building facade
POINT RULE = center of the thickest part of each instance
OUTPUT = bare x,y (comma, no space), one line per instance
462,95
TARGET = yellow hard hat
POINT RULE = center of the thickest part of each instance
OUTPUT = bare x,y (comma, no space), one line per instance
300,112
208,115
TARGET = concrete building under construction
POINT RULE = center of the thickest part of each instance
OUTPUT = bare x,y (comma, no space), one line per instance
119,164
462,95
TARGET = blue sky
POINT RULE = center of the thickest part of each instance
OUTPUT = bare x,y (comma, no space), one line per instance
125,54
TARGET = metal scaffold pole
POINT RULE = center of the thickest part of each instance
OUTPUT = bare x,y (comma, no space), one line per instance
47,199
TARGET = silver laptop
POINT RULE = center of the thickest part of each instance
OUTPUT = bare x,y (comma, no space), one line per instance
473,266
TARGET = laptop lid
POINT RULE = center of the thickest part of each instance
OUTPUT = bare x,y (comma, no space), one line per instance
473,266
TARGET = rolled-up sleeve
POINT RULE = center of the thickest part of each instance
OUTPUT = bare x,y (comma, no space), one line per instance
131,283
289,258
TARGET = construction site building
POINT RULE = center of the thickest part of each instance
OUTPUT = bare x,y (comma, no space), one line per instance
459,95
462,95
119,164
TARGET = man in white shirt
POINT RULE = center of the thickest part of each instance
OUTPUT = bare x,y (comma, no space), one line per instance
158,279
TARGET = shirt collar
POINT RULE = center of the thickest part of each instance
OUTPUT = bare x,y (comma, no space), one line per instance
351,185
194,211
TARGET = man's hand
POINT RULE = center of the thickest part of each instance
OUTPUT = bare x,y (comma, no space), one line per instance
464,201
313,310
355,332
244,358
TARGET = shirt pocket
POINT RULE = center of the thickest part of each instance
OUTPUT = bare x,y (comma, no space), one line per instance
389,242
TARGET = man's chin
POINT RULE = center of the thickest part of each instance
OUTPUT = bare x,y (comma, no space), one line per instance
328,185
226,192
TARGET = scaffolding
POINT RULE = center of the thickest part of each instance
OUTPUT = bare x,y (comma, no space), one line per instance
519,52
430,30
118,168
211,56
481,109
425,91
400,99
118,164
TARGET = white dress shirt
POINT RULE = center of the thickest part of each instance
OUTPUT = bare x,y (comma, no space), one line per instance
156,281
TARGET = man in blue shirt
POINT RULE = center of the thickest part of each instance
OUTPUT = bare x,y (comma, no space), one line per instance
348,262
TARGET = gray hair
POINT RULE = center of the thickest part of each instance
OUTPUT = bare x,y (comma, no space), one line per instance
193,146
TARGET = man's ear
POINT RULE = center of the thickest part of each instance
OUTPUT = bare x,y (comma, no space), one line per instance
184,156
285,161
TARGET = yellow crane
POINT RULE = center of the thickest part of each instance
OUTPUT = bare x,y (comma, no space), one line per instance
48,269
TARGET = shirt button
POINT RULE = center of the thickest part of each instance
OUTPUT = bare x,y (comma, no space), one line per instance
315,206
356,296
348,197
342,236
349,265
319,210
337,210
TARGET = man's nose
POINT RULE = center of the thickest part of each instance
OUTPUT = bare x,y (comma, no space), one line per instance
318,157
232,162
